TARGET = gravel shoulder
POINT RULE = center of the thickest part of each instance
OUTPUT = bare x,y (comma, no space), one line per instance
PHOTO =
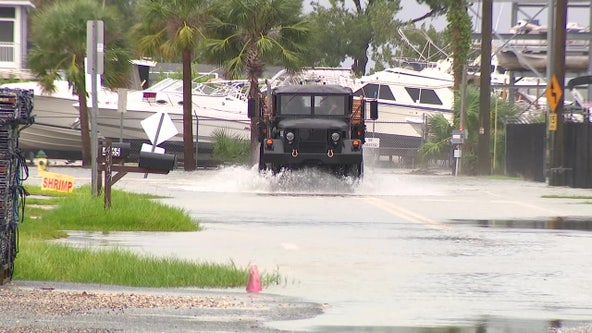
29,306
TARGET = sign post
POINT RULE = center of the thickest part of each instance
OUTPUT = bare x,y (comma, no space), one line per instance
95,66
122,108
457,139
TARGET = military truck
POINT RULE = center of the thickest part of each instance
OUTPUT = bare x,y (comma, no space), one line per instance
313,125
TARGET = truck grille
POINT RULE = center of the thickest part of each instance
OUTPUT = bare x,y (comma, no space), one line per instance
312,140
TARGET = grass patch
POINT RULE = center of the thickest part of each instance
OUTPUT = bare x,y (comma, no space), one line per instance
575,197
120,267
40,260
572,197
229,148
129,212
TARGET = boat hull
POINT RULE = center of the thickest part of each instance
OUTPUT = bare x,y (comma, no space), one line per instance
403,120
55,141
54,130
524,61
55,122
127,126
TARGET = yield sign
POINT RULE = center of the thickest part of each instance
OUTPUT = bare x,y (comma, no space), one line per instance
553,93
159,127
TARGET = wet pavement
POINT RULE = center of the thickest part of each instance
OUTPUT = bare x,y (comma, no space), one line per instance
397,252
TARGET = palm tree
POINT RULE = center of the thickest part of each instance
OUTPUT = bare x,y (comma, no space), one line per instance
172,29
245,35
437,142
58,36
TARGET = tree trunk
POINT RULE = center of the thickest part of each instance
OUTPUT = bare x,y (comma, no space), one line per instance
254,67
359,65
188,156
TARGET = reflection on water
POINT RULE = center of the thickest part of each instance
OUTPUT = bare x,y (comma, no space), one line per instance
488,325
555,223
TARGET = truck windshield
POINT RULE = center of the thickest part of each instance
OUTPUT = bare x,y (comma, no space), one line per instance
329,105
295,105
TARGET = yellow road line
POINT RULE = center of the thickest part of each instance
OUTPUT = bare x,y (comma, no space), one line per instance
403,213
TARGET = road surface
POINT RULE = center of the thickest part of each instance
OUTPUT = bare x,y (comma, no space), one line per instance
398,252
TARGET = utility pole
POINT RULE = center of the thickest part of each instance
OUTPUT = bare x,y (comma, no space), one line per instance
483,157
95,53
558,174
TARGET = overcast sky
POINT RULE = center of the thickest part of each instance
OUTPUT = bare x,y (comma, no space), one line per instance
500,18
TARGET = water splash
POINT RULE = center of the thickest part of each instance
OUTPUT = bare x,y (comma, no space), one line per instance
308,181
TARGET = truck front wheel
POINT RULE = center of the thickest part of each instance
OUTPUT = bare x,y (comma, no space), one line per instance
355,170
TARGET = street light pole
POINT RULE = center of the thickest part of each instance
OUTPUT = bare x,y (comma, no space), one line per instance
483,158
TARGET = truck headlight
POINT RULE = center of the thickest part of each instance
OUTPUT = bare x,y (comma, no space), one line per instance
335,136
290,136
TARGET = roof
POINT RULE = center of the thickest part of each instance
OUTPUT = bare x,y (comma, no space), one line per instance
6,3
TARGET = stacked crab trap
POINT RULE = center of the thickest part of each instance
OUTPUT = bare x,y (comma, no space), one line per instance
16,108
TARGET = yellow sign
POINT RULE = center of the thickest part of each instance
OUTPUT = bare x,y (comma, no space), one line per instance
552,121
56,182
553,93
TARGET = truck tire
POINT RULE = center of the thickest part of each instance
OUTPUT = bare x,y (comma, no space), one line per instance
355,170
262,166
275,169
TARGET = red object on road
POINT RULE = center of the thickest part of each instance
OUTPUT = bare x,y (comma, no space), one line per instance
254,284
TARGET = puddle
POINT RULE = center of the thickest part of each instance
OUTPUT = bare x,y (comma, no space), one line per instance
554,223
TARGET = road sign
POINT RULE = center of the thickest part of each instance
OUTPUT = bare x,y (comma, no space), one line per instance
553,93
458,137
372,143
122,100
95,47
159,127
552,121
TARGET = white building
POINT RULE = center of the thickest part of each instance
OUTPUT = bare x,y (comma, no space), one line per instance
13,37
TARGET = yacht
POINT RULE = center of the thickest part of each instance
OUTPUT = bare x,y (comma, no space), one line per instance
406,98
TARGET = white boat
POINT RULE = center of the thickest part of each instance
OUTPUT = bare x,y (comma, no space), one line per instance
531,54
217,106
55,130
524,60
406,97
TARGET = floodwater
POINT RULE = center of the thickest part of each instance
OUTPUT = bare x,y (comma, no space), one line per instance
396,252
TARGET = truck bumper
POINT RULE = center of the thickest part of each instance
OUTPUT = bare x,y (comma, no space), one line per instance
276,154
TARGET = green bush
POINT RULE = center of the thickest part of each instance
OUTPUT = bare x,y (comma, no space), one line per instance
231,148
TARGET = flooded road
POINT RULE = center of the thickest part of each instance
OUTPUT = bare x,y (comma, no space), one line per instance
395,253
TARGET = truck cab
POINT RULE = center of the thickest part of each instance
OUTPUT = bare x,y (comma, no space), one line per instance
313,125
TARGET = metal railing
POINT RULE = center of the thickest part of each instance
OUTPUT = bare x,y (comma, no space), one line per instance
7,52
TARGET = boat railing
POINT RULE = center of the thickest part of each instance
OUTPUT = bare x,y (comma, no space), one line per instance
234,88
316,75
430,52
